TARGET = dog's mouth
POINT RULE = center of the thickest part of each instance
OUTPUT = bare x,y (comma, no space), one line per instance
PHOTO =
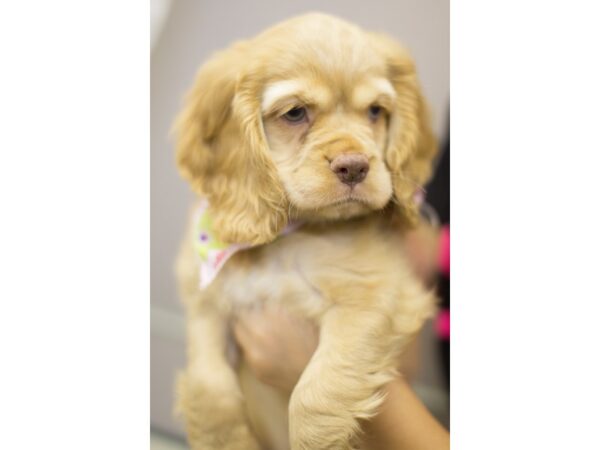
344,206
350,195
349,198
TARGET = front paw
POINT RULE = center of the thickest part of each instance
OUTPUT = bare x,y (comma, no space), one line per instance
315,425
214,420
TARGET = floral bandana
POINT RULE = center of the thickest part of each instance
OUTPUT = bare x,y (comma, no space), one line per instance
212,253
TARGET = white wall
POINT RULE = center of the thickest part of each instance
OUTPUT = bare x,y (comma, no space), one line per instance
192,31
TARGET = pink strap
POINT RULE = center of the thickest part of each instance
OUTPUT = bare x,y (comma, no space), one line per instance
444,256
442,324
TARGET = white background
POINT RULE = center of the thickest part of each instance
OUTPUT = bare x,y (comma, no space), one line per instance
74,236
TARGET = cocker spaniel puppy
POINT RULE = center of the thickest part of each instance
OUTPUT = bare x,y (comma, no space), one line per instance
307,146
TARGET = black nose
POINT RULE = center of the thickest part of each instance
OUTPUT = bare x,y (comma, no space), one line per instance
351,169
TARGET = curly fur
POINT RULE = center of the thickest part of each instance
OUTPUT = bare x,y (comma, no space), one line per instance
345,268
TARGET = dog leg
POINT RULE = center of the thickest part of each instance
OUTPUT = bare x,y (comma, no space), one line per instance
343,380
208,392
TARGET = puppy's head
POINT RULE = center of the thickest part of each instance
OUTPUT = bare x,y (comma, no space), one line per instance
313,119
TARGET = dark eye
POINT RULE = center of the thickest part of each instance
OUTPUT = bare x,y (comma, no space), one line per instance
295,115
374,112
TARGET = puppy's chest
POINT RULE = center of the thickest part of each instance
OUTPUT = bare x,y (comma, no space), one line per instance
300,271
281,273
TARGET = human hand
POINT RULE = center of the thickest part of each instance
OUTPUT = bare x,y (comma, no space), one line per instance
276,345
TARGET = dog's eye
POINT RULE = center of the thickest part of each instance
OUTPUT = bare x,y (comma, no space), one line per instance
295,115
374,112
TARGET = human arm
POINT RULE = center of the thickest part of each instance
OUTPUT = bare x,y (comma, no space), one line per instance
404,422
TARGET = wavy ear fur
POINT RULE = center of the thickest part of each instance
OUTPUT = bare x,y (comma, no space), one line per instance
222,151
412,146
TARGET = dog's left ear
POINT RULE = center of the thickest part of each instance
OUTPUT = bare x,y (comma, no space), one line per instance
412,146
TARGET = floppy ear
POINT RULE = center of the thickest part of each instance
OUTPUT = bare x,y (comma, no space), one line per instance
222,151
412,146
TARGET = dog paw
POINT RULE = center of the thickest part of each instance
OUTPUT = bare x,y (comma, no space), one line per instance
214,420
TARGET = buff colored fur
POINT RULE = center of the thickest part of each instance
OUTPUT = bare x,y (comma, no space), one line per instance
345,268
